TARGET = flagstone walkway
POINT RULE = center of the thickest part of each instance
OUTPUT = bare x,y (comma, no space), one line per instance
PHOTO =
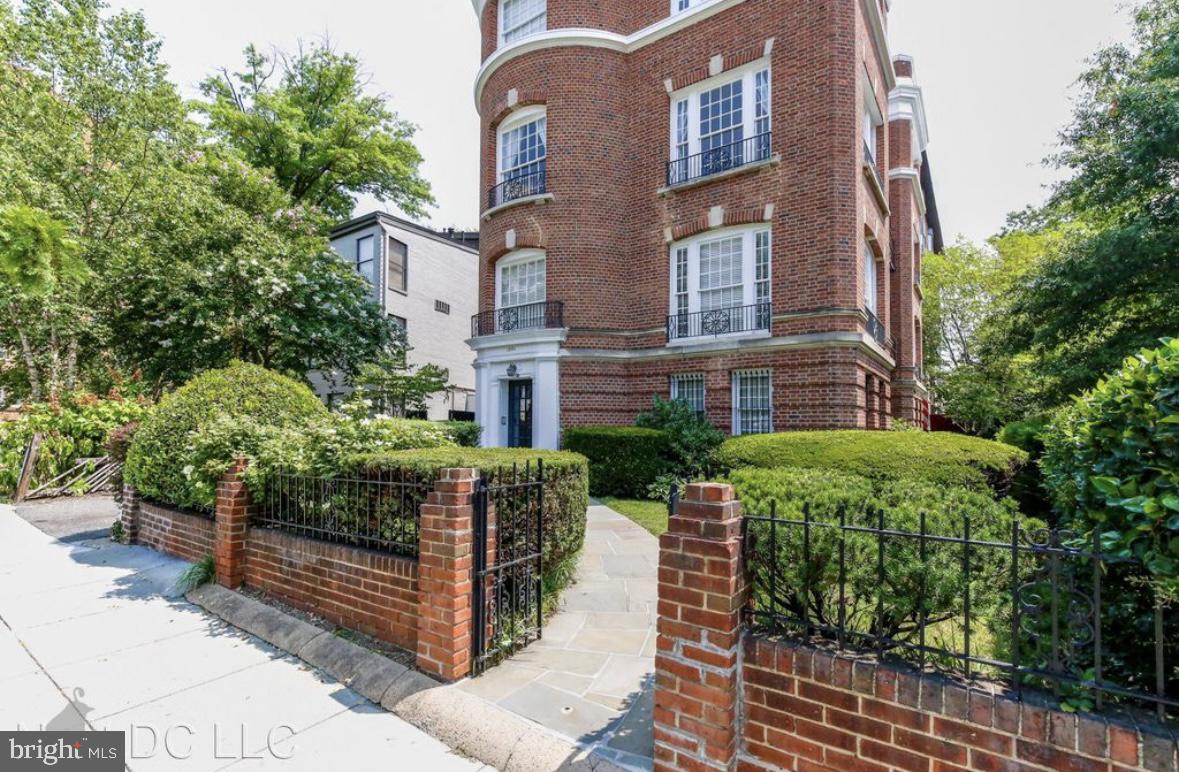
591,678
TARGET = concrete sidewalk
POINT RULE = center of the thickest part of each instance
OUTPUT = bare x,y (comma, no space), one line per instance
93,635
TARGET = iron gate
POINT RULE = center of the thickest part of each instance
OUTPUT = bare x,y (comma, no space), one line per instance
508,609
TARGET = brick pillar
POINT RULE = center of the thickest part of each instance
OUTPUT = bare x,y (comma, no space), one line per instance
232,519
701,595
129,514
444,575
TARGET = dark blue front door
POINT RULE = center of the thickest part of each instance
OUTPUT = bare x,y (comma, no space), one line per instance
520,414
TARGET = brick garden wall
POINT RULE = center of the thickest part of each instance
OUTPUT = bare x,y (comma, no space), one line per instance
421,605
359,589
728,699
180,534
811,709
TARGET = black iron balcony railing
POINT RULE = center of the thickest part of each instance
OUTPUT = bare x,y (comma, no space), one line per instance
548,315
720,159
719,321
521,186
870,160
876,328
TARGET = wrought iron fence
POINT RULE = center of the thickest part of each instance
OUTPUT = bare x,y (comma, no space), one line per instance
719,321
508,598
1039,609
720,159
549,315
517,187
376,510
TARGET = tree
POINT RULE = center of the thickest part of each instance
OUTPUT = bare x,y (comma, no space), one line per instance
316,131
38,261
256,283
1113,285
397,387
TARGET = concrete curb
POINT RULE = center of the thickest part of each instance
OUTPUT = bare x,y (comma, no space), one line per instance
471,726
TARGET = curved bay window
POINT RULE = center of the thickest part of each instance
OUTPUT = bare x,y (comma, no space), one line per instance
522,157
520,18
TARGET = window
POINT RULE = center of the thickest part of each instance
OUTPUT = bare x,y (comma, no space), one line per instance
720,284
721,124
401,322
752,402
521,18
522,149
683,5
522,281
869,279
442,306
689,389
398,276
873,119
366,263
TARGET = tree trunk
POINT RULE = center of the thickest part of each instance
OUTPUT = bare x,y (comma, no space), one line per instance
30,360
71,374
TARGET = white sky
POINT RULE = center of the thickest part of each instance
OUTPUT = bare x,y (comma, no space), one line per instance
997,78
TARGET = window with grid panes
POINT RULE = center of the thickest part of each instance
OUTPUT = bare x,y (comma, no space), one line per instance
721,284
521,18
752,402
522,150
689,389
522,283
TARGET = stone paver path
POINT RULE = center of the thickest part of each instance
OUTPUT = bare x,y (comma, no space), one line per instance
591,678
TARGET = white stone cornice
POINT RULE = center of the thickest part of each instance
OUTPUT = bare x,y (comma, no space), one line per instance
913,176
596,38
906,102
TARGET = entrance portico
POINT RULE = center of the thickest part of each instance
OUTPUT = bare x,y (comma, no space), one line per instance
517,377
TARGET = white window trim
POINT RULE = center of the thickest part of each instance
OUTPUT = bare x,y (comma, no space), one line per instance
503,33
736,397
871,295
521,117
748,75
518,258
748,264
675,6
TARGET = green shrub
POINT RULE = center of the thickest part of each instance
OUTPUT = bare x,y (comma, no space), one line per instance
73,427
1111,464
935,585
623,460
1027,487
170,461
566,487
464,433
940,458
693,439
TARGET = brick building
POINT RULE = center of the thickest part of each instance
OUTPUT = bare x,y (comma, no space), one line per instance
722,201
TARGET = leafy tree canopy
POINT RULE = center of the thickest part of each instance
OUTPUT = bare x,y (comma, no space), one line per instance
305,118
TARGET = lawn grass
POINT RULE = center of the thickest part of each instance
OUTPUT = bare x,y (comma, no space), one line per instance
652,515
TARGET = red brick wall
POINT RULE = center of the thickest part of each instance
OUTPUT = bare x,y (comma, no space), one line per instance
608,262
180,534
356,588
815,710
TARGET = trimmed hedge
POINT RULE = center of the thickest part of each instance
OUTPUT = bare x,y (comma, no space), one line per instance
623,460
940,458
465,433
161,461
566,487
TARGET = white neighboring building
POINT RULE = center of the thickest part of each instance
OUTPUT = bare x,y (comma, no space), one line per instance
428,281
